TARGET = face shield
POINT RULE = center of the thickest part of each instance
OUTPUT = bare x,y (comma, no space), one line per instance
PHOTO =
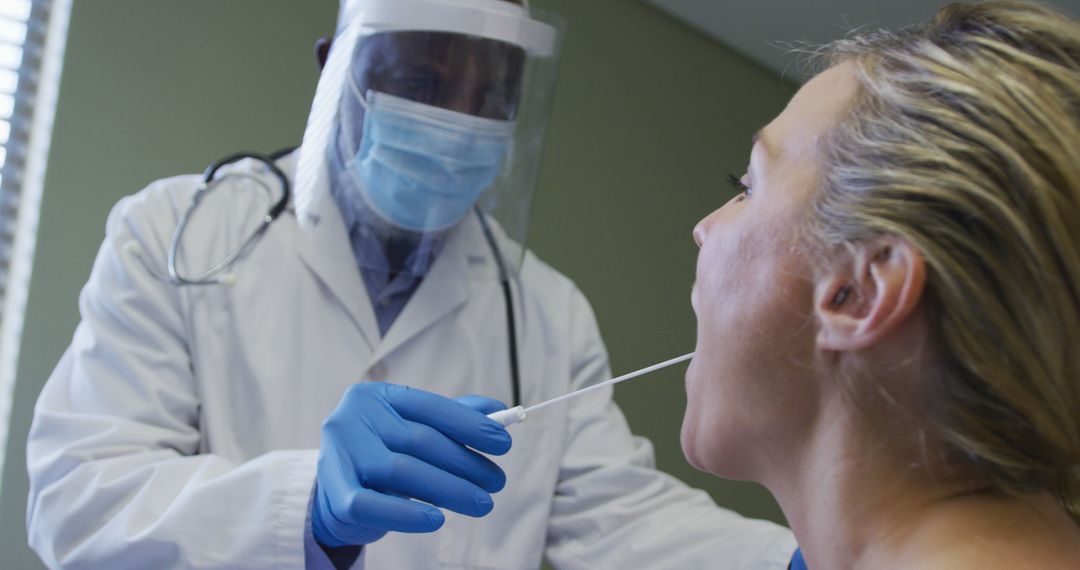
428,122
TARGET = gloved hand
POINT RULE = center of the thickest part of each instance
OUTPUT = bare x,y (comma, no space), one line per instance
386,444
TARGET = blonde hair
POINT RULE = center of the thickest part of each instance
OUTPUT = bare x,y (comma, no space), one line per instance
964,139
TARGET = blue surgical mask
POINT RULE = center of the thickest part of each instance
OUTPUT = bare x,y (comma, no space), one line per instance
420,167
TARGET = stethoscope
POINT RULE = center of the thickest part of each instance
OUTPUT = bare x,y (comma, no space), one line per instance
215,276
210,180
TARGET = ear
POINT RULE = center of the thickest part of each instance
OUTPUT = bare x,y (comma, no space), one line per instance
322,50
869,295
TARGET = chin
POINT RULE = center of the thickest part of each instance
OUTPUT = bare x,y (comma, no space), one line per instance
686,432
714,449
686,439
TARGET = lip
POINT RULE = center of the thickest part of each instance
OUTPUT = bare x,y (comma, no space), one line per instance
689,372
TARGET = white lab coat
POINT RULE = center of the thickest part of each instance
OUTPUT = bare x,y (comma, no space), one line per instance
181,427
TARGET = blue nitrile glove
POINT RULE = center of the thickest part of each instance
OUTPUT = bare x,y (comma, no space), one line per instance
386,444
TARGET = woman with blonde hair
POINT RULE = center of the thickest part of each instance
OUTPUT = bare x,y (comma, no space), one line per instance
889,311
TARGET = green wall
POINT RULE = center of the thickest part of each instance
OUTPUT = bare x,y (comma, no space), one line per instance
649,116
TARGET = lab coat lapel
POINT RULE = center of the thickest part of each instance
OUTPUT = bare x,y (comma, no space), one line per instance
444,289
324,247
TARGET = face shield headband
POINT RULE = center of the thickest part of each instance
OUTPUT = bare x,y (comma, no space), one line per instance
492,19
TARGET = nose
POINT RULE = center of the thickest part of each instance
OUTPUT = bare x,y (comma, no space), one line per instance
699,232
465,101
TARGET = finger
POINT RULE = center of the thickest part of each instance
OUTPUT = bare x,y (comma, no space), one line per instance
482,404
431,446
355,510
342,533
336,478
374,509
408,476
457,421
337,488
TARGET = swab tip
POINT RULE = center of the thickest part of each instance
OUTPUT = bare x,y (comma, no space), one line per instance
509,416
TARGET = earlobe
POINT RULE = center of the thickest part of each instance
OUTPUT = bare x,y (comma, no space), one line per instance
870,296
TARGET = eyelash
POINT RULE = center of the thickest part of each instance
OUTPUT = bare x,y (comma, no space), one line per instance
738,185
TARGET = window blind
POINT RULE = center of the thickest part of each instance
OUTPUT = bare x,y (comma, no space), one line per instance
33,34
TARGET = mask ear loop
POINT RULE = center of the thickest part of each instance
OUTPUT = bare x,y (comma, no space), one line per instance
353,146
358,94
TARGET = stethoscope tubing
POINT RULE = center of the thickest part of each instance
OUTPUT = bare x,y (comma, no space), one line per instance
210,276
210,179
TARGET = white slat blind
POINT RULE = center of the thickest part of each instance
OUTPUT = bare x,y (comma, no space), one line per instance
17,43
32,38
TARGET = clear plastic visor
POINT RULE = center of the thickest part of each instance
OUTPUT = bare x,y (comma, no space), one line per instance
434,146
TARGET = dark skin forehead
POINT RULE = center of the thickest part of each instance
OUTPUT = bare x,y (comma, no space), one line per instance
468,74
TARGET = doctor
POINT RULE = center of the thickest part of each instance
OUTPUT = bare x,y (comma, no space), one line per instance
251,422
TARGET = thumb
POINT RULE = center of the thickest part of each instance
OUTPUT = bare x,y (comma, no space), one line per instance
482,404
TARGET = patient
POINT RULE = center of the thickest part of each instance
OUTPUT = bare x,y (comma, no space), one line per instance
889,311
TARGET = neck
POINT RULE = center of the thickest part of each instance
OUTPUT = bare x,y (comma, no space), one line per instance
855,498
399,249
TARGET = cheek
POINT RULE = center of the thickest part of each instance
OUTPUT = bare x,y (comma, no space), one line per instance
688,433
698,421
714,424
731,278
752,335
